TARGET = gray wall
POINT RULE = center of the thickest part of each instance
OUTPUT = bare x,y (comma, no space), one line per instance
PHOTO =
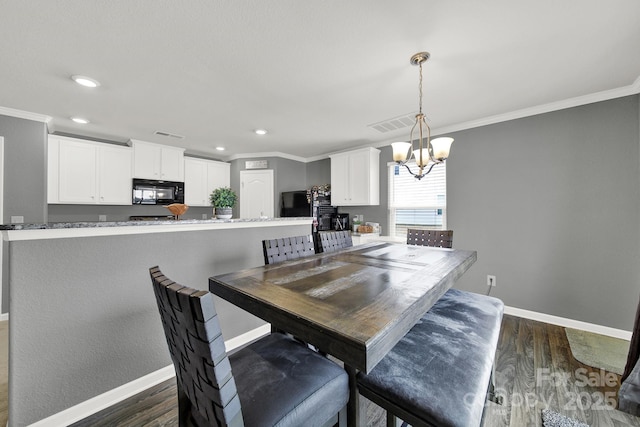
84,318
25,172
91,213
552,205
319,172
25,169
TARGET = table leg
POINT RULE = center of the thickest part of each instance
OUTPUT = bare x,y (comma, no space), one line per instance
356,409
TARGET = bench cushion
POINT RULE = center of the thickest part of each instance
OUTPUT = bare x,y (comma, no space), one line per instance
305,385
438,374
629,394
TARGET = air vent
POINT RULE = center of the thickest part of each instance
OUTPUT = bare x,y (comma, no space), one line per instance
395,123
169,135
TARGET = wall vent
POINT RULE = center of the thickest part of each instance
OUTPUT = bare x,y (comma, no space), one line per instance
396,123
168,135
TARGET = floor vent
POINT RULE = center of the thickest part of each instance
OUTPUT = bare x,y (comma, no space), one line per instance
168,135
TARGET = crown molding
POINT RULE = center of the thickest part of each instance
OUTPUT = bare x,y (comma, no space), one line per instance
12,112
605,95
268,154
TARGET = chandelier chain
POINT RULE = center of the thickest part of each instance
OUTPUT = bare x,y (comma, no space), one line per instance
420,88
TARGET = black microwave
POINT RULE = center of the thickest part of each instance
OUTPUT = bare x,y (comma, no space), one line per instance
152,192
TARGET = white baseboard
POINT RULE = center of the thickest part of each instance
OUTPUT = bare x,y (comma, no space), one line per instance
118,394
569,323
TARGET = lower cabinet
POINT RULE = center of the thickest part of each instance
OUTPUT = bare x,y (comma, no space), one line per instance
201,177
87,172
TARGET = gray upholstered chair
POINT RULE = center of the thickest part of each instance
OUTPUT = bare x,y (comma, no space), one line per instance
286,248
332,241
439,373
435,238
274,381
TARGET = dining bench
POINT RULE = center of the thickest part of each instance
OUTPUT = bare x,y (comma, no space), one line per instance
440,373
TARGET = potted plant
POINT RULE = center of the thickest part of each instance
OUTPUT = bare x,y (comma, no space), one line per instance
223,199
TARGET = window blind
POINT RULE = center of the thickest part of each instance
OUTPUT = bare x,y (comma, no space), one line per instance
408,192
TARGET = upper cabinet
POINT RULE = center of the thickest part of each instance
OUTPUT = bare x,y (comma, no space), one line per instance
201,177
87,172
355,178
155,161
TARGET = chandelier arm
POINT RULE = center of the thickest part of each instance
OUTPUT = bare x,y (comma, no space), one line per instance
406,166
422,175
427,172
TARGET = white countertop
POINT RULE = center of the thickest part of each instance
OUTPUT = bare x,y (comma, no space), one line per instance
17,232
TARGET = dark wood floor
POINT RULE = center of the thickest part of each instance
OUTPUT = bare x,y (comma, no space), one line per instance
534,370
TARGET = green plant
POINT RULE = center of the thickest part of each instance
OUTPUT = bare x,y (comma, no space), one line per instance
223,197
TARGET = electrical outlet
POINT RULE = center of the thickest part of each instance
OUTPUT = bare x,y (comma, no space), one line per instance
491,280
204,216
102,218
17,219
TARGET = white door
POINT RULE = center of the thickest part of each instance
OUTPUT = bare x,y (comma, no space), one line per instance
256,194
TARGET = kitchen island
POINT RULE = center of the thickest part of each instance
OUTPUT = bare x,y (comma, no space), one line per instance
84,327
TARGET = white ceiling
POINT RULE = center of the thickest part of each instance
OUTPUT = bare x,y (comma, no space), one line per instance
314,73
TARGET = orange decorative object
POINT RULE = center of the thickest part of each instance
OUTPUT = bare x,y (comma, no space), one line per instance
177,209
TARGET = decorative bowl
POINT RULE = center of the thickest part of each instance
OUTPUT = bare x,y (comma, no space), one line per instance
177,209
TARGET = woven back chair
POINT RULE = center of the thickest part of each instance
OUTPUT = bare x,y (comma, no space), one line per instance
273,381
332,241
286,248
435,238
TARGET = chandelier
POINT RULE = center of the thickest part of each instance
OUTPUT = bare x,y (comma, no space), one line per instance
429,153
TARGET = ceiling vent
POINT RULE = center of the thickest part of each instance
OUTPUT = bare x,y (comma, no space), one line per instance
389,125
169,135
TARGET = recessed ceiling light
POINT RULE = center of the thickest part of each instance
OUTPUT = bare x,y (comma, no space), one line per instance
80,120
220,148
85,81
260,131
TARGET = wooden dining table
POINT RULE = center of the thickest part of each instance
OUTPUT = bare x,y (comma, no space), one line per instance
354,304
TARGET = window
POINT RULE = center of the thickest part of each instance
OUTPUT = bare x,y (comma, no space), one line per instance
417,203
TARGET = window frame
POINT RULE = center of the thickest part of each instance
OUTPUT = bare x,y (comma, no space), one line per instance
392,208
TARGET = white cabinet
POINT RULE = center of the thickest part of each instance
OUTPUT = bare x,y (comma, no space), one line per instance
355,178
87,172
201,177
155,161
